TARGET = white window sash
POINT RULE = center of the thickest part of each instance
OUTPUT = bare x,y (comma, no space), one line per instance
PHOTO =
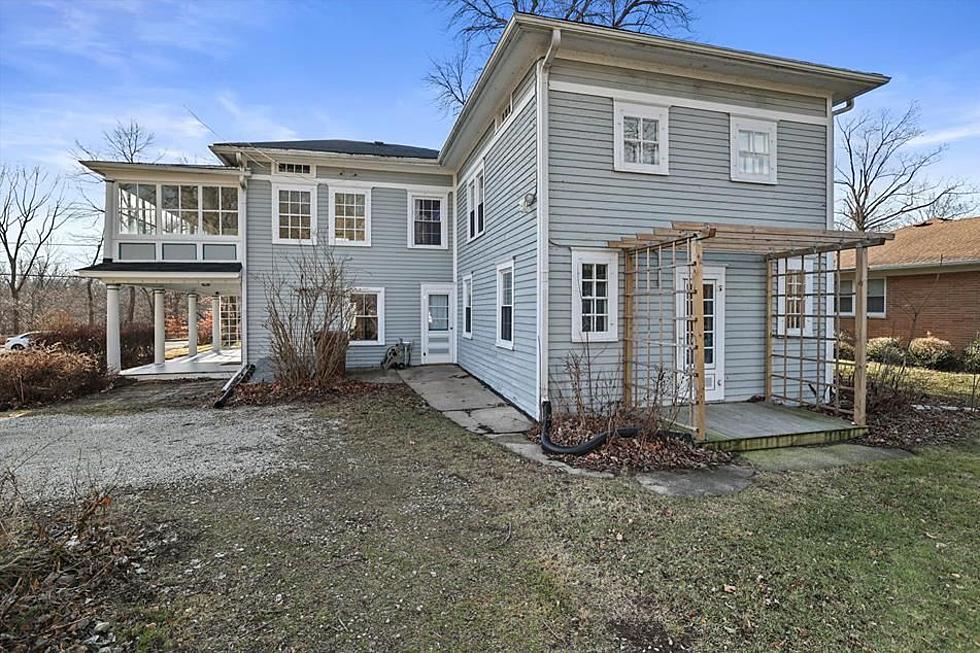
793,265
443,219
610,259
468,305
305,188
622,110
503,268
350,190
738,124
380,294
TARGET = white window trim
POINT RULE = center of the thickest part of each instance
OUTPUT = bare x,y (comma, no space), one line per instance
343,242
479,171
658,113
468,303
303,175
790,265
444,218
610,259
380,292
770,127
501,268
306,188
884,296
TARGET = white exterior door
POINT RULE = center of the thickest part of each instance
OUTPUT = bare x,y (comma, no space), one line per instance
714,328
438,322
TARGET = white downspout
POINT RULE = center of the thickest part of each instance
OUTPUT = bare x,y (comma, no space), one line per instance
541,78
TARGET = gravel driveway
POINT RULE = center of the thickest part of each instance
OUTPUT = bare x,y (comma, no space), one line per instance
142,436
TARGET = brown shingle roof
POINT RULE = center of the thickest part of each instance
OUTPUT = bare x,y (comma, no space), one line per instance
932,242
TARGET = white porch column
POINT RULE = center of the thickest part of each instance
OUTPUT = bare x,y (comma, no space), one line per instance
192,324
216,323
112,358
159,334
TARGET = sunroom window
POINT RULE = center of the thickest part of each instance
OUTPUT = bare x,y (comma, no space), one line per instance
220,215
137,208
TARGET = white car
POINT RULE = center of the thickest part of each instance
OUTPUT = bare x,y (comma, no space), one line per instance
23,341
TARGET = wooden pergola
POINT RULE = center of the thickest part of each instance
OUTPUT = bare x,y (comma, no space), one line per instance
802,276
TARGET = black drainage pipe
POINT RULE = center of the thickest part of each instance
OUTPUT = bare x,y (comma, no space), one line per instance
242,375
595,441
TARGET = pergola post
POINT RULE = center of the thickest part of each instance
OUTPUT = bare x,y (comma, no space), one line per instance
697,280
860,335
112,356
192,324
628,331
216,323
768,333
159,332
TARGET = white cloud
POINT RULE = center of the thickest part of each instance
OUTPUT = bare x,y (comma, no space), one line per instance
949,135
251,122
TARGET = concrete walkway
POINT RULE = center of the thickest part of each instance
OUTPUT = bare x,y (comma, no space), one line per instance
465,400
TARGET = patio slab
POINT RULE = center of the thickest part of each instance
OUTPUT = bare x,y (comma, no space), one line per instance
448,388
699,482
809,458
487,421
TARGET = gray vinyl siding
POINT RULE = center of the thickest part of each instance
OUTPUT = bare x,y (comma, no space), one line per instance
382,176
686,87
591,204
510,172
388,263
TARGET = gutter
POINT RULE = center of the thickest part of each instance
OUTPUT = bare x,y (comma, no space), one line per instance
848,105
542,74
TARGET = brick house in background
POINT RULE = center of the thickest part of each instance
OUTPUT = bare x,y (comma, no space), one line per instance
925,281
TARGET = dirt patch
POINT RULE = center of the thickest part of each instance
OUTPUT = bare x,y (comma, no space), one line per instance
271,393
912,428
646,452
648,637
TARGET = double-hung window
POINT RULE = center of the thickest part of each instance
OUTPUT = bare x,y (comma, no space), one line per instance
367,316
875,294
427,221
753,150
468,306
350,216
595,290
294,209
505,305
474,204
640,133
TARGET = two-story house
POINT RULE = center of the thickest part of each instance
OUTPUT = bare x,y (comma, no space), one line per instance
580,151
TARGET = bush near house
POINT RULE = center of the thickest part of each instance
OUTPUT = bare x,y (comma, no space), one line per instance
934,353
45,374
885,350
135,342
971,356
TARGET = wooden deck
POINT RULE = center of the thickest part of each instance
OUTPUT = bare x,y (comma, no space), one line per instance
744,426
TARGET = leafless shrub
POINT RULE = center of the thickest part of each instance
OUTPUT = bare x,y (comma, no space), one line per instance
47,374
310,309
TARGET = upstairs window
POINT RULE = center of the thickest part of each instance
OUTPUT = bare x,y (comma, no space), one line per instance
367,316
474,204
180,209
753,150
294,168
294,214
220,214
505,305
350,217
468,306
595,308
427,223
137,209
641,138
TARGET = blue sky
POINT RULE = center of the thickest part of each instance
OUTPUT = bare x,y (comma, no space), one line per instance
282,69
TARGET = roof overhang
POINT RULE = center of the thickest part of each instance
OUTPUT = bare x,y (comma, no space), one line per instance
526,38
204,278
121,170
924,267
229,154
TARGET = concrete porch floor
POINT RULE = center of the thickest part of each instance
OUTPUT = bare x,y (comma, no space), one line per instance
206,365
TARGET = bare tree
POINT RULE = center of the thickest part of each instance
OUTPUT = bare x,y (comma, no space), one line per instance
129,142
32,208
480,22
882,173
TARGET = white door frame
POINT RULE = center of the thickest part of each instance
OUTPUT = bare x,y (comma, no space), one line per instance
437,289
716,274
